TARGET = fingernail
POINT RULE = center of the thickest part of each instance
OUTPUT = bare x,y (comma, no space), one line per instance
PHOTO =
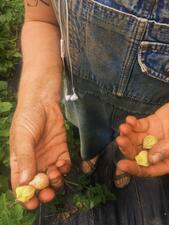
24,176
155,158
60,163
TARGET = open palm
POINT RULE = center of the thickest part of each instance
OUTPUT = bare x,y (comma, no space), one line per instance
132,133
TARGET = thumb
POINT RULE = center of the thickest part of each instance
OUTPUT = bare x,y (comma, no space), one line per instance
138,125
21,145
159,152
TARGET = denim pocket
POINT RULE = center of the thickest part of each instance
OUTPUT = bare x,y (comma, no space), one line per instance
149,81
153,58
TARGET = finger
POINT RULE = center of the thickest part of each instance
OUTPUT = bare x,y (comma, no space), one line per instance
32,204
64,163
159,169
132,168
58,184
129,167
14,171
138,125
21,146
55,177
159,152
127,130
131,120
46,195
64,166
127,148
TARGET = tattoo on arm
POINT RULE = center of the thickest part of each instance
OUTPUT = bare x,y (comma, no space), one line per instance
34,3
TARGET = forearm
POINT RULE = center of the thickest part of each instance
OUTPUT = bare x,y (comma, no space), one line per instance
42,65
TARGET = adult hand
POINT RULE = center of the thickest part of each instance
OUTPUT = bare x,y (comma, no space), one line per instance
132,133
38,144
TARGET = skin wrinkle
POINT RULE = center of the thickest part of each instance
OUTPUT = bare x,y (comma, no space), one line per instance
43,160
48,143
31,127
24,156
57,134
34,3
41,151
27,127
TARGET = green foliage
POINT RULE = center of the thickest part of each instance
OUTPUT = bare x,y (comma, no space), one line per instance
11,14
93,196
87,196
12,213
79,195
6,107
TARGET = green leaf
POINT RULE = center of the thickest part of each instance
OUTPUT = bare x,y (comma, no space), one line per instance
3,122
17,211
12,213
17,55
28,219
4,133
5,107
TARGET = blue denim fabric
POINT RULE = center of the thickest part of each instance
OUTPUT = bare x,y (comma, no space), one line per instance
120,56
120,59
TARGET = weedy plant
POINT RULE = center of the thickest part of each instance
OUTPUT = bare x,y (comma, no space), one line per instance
11,13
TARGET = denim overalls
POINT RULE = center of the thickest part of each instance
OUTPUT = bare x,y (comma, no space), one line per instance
116,56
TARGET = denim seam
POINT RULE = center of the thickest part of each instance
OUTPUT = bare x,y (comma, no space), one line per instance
109,92
144,99
106,94
117,106
154,46
93,4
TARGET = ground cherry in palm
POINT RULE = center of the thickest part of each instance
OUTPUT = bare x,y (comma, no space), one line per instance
25,193
142,158
149,141
40,181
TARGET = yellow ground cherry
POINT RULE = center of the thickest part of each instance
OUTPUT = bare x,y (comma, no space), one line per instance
40,181
142,158
149,141
25,193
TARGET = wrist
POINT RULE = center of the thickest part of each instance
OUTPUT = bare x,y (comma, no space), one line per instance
40,86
